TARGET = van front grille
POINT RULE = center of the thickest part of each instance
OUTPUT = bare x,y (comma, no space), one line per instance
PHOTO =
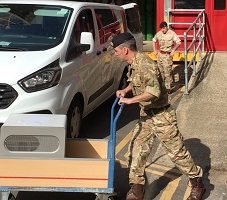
7,95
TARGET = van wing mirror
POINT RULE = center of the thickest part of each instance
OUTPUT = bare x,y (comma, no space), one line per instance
87,38
82,47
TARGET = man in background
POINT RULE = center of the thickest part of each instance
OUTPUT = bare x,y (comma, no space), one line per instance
166,39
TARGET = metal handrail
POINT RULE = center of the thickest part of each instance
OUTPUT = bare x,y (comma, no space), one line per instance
197,43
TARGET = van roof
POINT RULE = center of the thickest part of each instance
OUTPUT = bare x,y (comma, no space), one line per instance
72,4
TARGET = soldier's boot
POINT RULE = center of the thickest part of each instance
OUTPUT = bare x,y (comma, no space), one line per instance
136,192
198,189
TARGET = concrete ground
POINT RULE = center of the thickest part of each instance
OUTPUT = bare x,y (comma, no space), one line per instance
202,119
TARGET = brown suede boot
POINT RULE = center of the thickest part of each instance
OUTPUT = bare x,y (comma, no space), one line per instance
198,189
136,192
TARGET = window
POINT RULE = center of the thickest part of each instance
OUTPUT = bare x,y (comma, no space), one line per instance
133,20
33,27
84,23
105,15
189,4
120,14
106,21
219,4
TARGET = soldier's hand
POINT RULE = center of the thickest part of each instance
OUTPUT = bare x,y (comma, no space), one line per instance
120,93
124,100
155,53
172,53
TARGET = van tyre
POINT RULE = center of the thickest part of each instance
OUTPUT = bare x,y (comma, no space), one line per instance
74,121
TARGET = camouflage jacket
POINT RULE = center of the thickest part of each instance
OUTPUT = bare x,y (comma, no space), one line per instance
166,41
144,76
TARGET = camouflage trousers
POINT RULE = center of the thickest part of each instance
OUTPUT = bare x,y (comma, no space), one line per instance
163,126
165,62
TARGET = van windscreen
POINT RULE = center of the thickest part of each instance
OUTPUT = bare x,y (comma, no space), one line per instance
32,27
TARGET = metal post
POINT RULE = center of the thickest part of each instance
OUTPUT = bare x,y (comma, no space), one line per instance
203,29
185,63
194,49
200,40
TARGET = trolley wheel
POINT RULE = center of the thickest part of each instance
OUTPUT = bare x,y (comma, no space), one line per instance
11,197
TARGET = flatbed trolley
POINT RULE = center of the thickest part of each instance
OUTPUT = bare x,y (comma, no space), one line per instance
87,167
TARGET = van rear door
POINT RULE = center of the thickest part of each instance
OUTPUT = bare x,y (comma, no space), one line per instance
134,23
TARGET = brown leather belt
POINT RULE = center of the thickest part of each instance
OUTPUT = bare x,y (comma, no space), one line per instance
165,52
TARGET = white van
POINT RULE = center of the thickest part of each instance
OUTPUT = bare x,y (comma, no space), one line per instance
134,23
56,57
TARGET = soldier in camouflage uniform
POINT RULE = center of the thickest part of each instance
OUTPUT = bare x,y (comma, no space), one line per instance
157,119
166,39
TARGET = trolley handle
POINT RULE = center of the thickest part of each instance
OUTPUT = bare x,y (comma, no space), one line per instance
112,141
113,120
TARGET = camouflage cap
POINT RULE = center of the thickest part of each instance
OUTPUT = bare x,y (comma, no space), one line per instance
121,38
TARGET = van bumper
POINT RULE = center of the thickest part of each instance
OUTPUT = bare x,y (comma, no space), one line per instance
45,101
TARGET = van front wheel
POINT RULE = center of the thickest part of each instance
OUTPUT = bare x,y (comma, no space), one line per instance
74,120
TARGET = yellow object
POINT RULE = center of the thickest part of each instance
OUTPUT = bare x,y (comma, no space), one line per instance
178,56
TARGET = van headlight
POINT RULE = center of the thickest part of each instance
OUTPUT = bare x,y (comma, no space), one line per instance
47,77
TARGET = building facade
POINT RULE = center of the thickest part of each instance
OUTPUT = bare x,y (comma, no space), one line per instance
152,12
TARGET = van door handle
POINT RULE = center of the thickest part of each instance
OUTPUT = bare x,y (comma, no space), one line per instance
104,49
98,53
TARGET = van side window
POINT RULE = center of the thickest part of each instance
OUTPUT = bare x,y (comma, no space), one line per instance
106,21
120,14
133,20
84,23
